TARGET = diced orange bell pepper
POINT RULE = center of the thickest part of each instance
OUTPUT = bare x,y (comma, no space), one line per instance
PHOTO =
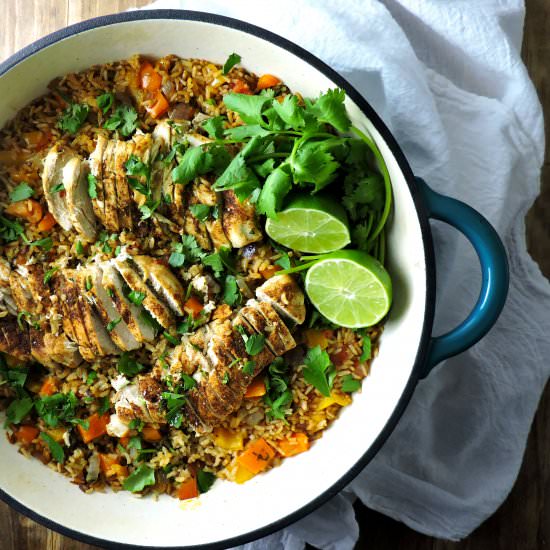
160,106
97,427
26,434
151,434
256,456
149,79
228,440
256,388
110,466
188,489
316,337
46,223
242,475
49,387
295,444
269,271
241,87
27,209
267,81
193,306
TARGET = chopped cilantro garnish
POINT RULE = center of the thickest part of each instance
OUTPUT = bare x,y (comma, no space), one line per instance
248,367
201,211
136,297
141,477
254,344
205,480
225,378
278,395
92,186
46,243
105,101
18,410
21,192
319,371
112,324
367,351
104,405
73,117
128,366
49,274
135,443
91,378
57,408
350,384
124,119
57,188
231,61
136,424
170,338
174,403
79,248
215,127
231,293
56,449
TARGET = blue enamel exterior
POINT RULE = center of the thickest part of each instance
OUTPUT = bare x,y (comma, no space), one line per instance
494,272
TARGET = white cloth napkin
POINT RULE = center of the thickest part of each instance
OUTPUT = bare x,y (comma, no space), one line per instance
447,78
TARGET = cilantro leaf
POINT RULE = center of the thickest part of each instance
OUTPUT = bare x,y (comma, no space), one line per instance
231,293
174,403
195,162
215,127
124,119
276,187
350,384
49,274
254,344
176,259
201,211
240,133
312,164
367,349
57,188
105,101
10,230
136,297
141,477
56,449
290,112
205,480
57,408
248,107
18,410
21,192
92,186
112,324
232,60
319,371
329,107
128,366
173,340
46,243
73,117
248,367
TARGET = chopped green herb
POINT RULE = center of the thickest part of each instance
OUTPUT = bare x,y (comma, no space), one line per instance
188,382
88,283
46,243
146,317
215,127
91,378
319,371
128,366
112,324
56,449
254,344
225,378
367,351
278,395
73,117
135,443
141,477
136,424
124,119
205,480
92,186
49,274
10,230
57,188
176,259
21,192
23,315
79,248
15,377
248,367
201,211
105,101
231,293
136,297
170,338
174,403
232,60
350,384
104,405
57,408
18,410
284,261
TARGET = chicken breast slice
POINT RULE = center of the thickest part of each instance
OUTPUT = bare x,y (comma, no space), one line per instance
193,226
110,207
96,169
77,198
131,314
157,308
141,400
143,147
276,325
284,294
123,151
260,324
164,282
120,334
52,178
14,340
239,221
7,302
52,350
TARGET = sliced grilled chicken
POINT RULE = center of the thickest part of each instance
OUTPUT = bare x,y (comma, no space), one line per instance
141,400
204,194
164,282
28,289
130,273
13,339
260,324
178,205
52,179
78,199
7,303
183,359
120,334
110,214
52,350
284,294
96,169
143,147
131,314
239,221
193,226
123,151
21,292
98,332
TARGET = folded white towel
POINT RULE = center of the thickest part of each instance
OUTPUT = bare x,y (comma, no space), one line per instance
447,78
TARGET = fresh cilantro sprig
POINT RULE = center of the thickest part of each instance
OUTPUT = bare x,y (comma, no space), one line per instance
124,119
73,117
319,370
278,395
21,192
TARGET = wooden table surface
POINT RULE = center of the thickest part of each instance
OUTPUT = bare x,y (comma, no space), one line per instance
523,521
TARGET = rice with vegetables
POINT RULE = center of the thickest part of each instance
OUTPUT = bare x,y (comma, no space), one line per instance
153,337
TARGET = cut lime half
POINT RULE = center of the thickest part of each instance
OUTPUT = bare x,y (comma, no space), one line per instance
350,288
311,224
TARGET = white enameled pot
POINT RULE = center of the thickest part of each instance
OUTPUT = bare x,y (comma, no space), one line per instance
230,513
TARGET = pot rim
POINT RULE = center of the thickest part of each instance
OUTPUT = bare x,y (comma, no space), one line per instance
429,306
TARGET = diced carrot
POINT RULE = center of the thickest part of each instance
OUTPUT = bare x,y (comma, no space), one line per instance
149,79
46,223
188,489
228,440
151,434
124,441
340,357
241,87
269,271
257,388
110,466
193,306
295,444
257,456
160,106
242,475
49,387
26,434
315,337
267,81
27,209
97,427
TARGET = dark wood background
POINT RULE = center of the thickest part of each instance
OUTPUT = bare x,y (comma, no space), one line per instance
523,521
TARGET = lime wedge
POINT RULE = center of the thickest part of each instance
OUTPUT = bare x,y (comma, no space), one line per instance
310,224
350,288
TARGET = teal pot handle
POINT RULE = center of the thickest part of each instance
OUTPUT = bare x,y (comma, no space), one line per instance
494,272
